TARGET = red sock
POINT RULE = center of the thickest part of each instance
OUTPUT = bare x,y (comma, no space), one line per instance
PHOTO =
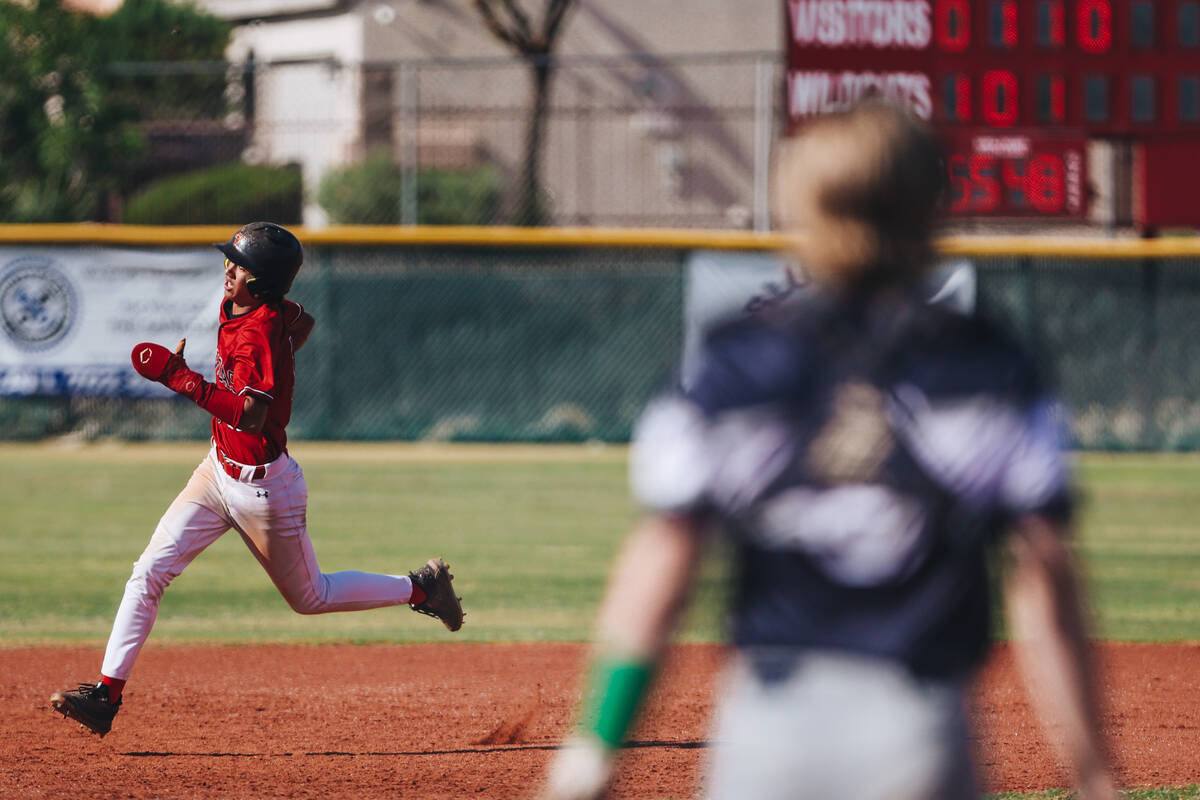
418,596
115,687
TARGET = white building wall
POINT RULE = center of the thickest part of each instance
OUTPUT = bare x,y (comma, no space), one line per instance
308,113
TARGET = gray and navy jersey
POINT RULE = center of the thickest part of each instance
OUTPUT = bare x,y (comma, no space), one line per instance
863,456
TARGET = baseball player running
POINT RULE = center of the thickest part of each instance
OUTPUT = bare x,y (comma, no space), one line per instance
863,450
248,481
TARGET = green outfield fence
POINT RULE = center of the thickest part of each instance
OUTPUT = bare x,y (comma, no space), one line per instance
560,334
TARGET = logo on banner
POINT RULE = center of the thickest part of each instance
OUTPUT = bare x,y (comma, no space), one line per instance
37,303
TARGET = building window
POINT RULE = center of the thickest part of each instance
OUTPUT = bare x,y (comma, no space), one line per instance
1002,24
1189,24
1051,97
378,107
1189,98
1048,24
1095,98
1141,108
1142,29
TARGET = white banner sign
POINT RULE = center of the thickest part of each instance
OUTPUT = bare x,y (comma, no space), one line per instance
69,317
720,285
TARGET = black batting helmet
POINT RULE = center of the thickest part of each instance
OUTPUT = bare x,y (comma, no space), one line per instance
270,253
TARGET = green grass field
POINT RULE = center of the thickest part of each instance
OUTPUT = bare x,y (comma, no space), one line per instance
530,532
1139,537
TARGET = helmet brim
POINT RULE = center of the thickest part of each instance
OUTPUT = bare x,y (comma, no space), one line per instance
233,254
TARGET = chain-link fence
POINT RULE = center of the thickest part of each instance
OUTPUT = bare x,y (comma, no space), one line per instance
447,344
1119,336
678,141
567,344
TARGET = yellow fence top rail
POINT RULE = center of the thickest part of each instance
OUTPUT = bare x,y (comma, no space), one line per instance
502,236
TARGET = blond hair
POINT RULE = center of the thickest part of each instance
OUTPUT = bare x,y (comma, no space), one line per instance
861,189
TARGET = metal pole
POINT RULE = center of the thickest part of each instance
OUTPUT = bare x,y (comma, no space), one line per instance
409,152
763,106
1028,312
1151,435
326,418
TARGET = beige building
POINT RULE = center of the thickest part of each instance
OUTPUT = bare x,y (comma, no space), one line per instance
662,113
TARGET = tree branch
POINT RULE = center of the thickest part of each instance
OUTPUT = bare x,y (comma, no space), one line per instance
510,24
555,15
493,24
519,19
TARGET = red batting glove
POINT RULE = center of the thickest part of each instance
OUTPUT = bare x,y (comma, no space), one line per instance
156,363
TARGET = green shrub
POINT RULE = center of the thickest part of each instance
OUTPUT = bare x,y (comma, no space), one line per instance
230,194
458,196
370,193
366,193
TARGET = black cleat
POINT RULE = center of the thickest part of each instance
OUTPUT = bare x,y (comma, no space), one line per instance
435,580
88,705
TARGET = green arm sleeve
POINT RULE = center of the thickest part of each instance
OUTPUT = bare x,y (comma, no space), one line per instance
616,689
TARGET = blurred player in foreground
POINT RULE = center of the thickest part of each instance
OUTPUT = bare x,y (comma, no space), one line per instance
247,481
863,449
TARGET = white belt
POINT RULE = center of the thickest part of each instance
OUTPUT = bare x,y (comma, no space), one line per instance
245,473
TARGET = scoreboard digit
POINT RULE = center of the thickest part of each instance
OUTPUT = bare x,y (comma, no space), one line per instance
953,25
1094,26
1015,176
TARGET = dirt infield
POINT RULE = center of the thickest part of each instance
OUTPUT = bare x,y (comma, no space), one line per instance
476,720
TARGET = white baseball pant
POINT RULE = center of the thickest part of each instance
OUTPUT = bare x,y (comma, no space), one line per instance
829,724
270,515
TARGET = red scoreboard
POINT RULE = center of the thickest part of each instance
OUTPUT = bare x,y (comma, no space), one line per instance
1018,88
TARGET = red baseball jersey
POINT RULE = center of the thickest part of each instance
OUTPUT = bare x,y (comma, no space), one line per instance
255,356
